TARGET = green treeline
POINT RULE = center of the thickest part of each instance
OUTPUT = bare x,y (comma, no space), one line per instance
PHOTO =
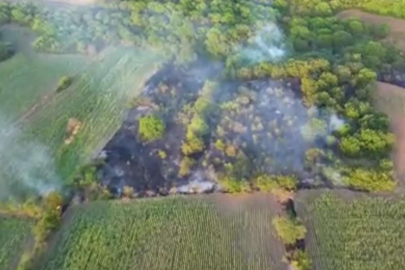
327,7
181,29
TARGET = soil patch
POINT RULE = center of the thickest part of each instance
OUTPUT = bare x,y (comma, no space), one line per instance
397,34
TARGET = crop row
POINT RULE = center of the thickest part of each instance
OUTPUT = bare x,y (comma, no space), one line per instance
367,233
171,233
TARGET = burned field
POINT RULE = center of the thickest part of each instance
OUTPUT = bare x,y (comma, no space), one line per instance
218,136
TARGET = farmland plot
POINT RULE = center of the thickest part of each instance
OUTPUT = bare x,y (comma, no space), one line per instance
361,233
171,233
96,101
28,77
13,236
39,117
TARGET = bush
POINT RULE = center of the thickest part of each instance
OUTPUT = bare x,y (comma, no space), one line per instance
193,145
186,165
5,51
289,230
300,260
370,180
233,185
151,128
64,83
270,183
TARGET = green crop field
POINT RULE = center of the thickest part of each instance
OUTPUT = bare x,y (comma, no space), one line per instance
176,233
96,101
360,234
13,236
27,76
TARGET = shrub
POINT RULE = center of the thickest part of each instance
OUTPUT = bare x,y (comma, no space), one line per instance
186,165
270,183
233,185
151,128
300,260
370,180
193,145
5,51
266,183
64,83
289,230
198,126
128,192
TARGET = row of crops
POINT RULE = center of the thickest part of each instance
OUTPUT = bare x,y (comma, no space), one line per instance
167,233
97,99
362,234
28,75
34,118
14,233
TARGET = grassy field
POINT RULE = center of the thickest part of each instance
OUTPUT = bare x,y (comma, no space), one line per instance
354,231
179,233
97,99
27,77
13,236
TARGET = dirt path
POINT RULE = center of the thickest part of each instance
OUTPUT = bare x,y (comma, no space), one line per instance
397,34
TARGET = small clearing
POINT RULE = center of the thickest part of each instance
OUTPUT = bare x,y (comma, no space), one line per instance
390,99
176,233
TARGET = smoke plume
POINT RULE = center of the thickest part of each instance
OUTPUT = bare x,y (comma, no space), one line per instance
27,166
266,45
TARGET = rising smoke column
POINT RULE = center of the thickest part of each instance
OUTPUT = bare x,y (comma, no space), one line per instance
266,45
27,167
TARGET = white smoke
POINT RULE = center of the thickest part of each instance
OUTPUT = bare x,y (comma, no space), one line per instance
266,45
335,122
197,185
26,165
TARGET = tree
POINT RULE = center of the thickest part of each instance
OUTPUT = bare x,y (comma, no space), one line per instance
193,145
186,165
342,39
216,42
376,142
370,180
198,126
300,260
350,146
289,230
151,128
323,8
356,27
